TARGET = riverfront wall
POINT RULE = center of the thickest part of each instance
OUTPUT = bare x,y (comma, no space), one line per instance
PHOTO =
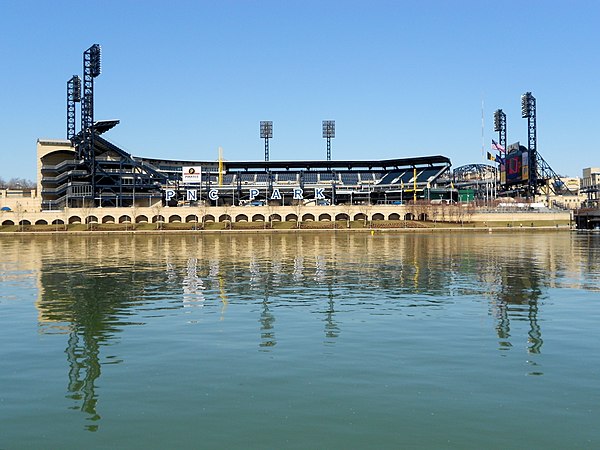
302,213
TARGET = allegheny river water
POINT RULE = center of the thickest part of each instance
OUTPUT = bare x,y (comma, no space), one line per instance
300,340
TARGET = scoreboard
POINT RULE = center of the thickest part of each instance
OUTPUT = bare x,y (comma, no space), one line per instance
515,168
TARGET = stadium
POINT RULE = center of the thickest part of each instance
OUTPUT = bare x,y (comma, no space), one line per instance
86,179
87,170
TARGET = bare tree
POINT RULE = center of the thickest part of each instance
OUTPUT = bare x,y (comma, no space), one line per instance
134,211
298,207
435,211
18,183
157,210
203,211
365,209
86,211
65,215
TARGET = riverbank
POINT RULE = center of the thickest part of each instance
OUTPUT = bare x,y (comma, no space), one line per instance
380,226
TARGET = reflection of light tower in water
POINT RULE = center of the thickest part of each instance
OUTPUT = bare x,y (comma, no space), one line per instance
267,319
267,332
298,268
84,358
192,284
332,331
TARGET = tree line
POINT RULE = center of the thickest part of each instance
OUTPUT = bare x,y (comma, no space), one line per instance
17,183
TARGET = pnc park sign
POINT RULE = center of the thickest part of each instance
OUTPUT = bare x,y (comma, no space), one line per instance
297,193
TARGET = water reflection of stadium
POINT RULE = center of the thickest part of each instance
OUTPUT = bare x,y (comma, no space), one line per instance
91,288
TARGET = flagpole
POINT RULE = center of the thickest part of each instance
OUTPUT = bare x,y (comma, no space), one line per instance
482,130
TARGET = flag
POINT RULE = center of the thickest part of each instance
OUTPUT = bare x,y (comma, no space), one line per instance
496,146
496,158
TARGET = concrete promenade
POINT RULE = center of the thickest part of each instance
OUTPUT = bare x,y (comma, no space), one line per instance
239,214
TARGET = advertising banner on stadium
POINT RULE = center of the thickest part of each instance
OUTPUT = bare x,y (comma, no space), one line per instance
191,174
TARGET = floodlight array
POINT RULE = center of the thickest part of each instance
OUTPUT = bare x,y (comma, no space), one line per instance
329,128
527,101
266,129
498,120
95,60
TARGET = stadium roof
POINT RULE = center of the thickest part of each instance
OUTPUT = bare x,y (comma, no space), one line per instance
321,165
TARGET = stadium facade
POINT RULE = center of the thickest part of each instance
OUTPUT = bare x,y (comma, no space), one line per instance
115,178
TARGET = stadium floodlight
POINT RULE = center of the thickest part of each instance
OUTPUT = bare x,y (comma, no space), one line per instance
525,105
95,60
73,96
76,89
329,128
266,129
329,133
498,120
266,133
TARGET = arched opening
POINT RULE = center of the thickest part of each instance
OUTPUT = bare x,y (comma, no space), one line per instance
58,222
124,219
175,218
394,216
258,218
91,219
74,219
308,218
324,217
378,216
192,218
291,218
8,222
209,218
407,216
224,218
423,216
141,219
41,222
158,219
342,216
360,216
24,222
275,218
108,219
241,218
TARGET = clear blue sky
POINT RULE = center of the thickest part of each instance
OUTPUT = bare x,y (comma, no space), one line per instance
400,78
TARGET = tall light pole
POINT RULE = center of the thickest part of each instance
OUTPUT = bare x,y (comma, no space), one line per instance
528,111
73,96
91,70
500,126
266,133
329,133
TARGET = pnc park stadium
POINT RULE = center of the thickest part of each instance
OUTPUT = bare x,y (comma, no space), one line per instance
87,171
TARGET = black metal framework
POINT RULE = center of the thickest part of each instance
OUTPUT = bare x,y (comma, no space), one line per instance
500,126
329,133
85,149
91,69
73,96
266,133
528,111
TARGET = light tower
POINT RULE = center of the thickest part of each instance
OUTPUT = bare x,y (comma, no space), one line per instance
73,96
266,133
329,133
91,69
528,111
500,126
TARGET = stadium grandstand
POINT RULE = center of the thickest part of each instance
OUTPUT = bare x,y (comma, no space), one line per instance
119,179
